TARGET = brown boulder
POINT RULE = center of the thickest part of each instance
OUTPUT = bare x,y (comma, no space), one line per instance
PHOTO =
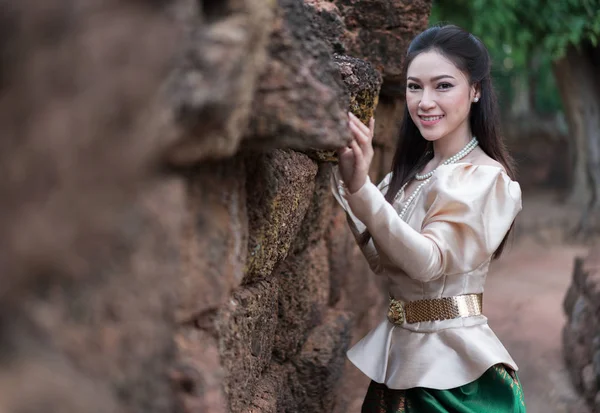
575,288
576,341
318,215
363,83
380,32
215,237
116,325
329,24
246,330
197,376
89,227
211,91
280,186
320,364
44,382
303,297
340,243
76,118
273,393
589,382
589,279
300,102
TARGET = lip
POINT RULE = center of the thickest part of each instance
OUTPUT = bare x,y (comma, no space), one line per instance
430,122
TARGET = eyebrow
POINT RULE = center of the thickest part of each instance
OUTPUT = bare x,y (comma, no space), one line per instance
433,79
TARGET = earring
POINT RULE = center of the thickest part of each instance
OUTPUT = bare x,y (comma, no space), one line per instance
476,100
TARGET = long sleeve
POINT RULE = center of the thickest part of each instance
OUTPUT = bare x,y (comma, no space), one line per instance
470,208
356,226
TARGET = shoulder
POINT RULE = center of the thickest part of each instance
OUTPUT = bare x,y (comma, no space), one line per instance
471,180
477,165
479,158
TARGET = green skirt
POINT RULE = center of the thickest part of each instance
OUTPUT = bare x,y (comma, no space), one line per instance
498,390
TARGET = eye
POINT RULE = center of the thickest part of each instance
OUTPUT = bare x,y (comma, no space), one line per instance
413,86
445,85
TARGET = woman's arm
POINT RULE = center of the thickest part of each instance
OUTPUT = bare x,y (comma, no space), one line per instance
472,208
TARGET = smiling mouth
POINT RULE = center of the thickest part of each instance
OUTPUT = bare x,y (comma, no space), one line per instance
431,118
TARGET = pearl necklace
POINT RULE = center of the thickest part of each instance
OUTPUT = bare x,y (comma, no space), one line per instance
464,151
427,177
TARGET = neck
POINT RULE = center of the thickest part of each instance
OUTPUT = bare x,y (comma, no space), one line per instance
450,145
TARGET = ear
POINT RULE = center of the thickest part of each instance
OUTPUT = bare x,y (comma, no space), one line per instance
475,92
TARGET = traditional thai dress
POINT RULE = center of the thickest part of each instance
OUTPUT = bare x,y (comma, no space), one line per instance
435,352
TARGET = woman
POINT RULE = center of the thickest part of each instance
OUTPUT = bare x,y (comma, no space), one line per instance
432,227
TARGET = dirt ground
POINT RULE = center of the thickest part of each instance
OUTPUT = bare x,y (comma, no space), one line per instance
523,301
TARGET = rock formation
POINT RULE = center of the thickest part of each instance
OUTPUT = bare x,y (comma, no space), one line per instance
168,238
581,334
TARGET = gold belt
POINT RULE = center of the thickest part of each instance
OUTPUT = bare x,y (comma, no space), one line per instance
435,309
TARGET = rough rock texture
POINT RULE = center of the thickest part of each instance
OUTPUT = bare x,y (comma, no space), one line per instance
274,392
363,84
246,328
89,226
303,297
320,364
225,53
581,334
168,240
378,31
280,185
215,237
53,90
198,374
300,101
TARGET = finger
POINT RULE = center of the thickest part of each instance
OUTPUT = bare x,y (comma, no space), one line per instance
353,119
363,134
359,135
372,126
358,153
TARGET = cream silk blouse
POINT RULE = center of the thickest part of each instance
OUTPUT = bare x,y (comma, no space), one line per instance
443,249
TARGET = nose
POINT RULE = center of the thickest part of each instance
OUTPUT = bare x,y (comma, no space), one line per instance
426,102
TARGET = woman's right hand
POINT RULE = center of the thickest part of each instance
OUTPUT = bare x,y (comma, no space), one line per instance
355,159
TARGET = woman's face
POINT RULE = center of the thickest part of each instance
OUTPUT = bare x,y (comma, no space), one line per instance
438,96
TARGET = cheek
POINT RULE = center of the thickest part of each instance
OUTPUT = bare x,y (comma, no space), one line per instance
458,106
412,103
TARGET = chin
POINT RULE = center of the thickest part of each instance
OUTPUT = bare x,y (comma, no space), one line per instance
431,136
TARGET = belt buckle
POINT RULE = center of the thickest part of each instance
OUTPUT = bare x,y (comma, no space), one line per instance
396,313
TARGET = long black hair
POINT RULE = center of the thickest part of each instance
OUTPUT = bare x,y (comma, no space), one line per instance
469,55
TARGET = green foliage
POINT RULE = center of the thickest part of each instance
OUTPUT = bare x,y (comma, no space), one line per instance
548,26
525,36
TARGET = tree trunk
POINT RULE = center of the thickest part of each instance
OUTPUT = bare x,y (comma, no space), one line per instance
579,86
520,103
524,86
533,65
